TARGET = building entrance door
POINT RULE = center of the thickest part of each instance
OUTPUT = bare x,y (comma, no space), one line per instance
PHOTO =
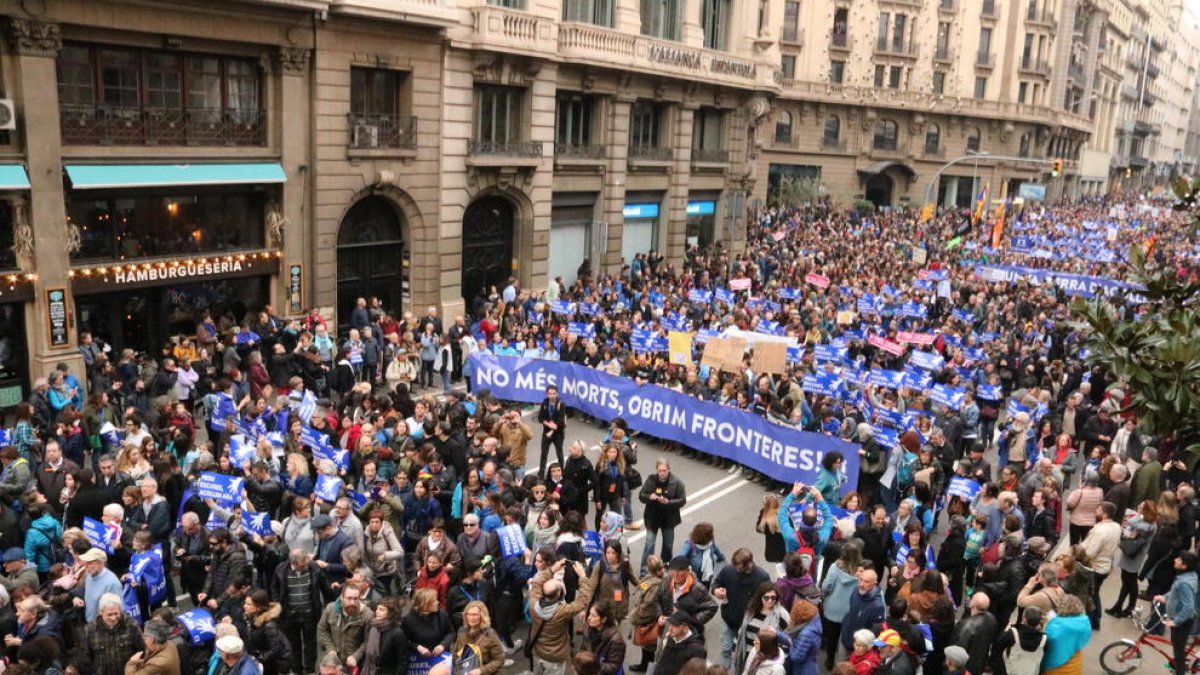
370,253
487,245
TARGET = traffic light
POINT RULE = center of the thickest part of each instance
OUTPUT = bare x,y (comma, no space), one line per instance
1057,168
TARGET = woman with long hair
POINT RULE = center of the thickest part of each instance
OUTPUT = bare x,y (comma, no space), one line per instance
1136,535
762,614
646,613
614,578
768,526
612,488
265,641
702,553
602,637
24,435
765,657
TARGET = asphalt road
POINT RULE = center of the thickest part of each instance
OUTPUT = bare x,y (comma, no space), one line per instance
731,503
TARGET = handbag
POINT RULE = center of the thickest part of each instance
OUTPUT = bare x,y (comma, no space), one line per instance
1131,547
644,636
633,478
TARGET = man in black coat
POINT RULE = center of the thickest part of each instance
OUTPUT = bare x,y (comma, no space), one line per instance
734,586
664,496
876,538
977,633
682,592
552,415
681,645
297,587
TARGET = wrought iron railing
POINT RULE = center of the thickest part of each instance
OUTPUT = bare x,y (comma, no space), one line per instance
506,149
578,151
137,125
651,153
710,155
382,131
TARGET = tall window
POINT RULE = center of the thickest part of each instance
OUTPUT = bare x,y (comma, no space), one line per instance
661,18
707,124
933,139
841,23
885,135
1023,149
895,75
573,120
899,32
973,140
787,63
161,97
943,40
783,127
985,40
599,12
1027,51
499,111
714,20
645,124
374,92
513,4
885,21
939,82
980,87
837,72
791,20
833,131
880,74
1022,91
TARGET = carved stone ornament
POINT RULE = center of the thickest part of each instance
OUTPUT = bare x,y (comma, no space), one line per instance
1006,131
74,240
868,120
293,60
758,107
35,38
23,244
276,222
507,70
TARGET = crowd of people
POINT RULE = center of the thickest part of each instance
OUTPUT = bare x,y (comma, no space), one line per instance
385,520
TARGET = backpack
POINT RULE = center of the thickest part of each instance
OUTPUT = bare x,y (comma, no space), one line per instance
905,472
1017,661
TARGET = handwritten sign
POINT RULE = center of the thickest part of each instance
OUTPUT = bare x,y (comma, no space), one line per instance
818,280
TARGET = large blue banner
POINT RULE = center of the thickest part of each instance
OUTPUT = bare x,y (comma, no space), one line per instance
784,454
1071,284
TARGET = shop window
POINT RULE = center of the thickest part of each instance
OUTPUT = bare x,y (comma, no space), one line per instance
110,95
8,259
137,224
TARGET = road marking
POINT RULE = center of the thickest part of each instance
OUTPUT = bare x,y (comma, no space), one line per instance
696,506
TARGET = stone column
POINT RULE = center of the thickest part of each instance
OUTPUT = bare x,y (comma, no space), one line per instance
36,45
692,34
292,120
672,240
616,111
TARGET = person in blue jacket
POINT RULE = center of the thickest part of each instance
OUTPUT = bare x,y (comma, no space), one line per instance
814,524
805,637
1181,608
44,532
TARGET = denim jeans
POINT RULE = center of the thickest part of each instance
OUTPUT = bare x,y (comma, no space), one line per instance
728,645
668,544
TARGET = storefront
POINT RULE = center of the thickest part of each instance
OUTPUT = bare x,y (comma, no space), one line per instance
702,218
571,217
160,246
641,224
15,288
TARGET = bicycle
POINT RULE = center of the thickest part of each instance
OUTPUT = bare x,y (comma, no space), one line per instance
1125,656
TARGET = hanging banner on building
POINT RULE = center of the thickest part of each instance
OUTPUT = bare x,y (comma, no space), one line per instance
784,454
56,316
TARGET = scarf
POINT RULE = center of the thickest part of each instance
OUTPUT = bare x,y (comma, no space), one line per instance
708,562
374,642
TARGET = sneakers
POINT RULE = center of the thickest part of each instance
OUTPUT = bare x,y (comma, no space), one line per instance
516,647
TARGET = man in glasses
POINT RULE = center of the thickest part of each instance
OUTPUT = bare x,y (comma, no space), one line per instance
734,586
473,543
228,568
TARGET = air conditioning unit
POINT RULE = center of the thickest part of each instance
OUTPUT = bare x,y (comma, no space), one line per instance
8,114
365,136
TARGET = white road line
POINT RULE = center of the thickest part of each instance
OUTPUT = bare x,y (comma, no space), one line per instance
696,506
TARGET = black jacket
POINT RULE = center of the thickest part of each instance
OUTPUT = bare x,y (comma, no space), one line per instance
278,590
559,417
227,568
658,515
697,602
675,654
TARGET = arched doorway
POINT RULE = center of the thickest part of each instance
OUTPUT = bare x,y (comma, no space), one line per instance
370,247
487,245
879,190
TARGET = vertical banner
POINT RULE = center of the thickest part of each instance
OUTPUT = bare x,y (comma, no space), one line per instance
296,288
56,317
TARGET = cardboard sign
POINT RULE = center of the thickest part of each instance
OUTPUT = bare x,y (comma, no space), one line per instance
714,352
769,357
735,348
680,344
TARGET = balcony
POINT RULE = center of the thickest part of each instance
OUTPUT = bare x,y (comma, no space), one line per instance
984,59
1042,19
839,40
1157,43
1129,91
381,132
504,155
110,125
710,156
512,30
793,37
1148,99
1142,128
1151,70
917,4
584,152
1039,68
893,48
1137,161
590,44
648,154
434,13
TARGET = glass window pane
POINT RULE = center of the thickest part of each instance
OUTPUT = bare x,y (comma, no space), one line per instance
204,83
164,81
119,77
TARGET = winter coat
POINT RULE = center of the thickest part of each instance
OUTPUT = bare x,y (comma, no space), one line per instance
806,643
428,630
491,650
608,646
227,568
739,589
553,623
391,655
40,536
674,654
109,649
695,600
658,515
342,633
837,588
279,590
865,610
647,611
163,662
267,643
384,543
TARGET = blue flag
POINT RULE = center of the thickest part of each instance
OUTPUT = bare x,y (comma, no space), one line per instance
795,353
826,384
725,295
339,457
98,534
989,392
926,360
241,450
562,307
963,488
888,379
199,624
222,411
224,489
147,569
582,329
256,523
700,296
593,546
589,308
328,488
129,600
512,541
948,396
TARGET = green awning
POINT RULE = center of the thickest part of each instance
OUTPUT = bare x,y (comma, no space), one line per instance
13,177
100,176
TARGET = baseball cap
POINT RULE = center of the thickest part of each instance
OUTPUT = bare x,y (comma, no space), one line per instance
14,554
321,521
92,555
888,638
679,618
678,563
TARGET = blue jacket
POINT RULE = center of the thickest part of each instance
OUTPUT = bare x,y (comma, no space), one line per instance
1181,599
865,611
38,538
806,643
1065,636
790,536
330,550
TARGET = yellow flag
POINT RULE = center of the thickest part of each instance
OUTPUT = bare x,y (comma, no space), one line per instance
680,345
